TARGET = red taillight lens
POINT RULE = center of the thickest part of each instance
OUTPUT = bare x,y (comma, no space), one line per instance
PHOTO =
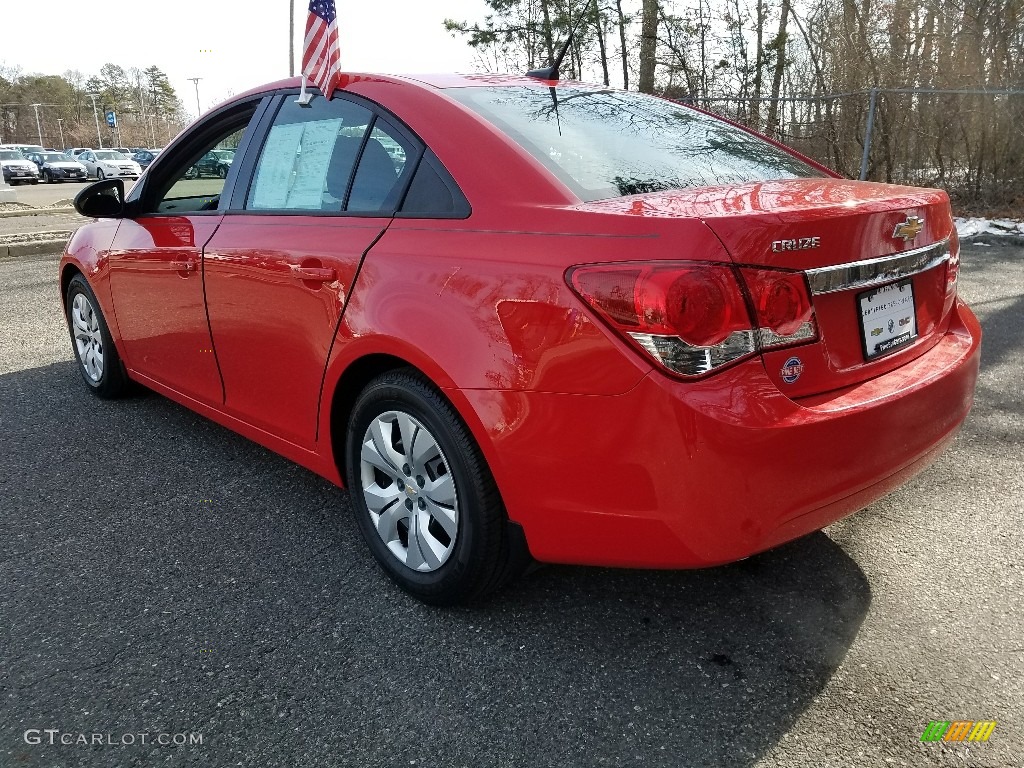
780,299
953,266
692,317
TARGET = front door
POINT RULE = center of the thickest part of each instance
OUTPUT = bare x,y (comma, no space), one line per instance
156,266
156,280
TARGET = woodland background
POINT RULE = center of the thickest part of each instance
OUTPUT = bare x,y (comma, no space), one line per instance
149,112
946,78
949,74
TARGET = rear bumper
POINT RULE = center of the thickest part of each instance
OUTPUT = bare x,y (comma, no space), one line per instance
676,475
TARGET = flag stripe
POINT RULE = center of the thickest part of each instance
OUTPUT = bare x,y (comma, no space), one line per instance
321,54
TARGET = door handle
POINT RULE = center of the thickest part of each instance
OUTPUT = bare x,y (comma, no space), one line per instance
183,266
314,274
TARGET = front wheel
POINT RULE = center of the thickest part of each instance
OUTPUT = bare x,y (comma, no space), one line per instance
100,175
98,361
423,496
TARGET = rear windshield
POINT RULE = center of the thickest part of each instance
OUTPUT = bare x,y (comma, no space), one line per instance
604,143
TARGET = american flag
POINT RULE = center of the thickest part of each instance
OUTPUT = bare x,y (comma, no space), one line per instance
320,52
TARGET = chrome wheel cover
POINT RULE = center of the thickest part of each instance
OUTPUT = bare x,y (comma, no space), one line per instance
88,339
409,490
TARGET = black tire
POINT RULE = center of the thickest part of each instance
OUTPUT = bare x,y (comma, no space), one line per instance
487,551
222,171
100,175
192,173
114,380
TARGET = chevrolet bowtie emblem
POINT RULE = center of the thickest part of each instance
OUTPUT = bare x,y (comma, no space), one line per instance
909,229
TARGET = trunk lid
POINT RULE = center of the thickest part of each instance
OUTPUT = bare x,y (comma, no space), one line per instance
875,257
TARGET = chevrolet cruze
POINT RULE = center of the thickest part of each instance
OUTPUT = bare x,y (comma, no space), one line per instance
533,320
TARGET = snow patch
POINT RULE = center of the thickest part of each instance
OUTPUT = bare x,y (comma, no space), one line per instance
974,227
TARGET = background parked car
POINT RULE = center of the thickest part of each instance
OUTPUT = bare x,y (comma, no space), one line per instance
28,148
216,162
17,168
144,157
56,166
74,151
108,163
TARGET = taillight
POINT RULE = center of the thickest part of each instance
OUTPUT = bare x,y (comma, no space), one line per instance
953,266
782,306
693,318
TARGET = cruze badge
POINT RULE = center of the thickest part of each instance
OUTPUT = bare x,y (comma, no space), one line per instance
909,229
799,244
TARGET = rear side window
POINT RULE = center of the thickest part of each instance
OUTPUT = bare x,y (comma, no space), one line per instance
385,163
433,193
604,143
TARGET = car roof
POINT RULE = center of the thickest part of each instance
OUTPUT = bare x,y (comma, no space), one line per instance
436,80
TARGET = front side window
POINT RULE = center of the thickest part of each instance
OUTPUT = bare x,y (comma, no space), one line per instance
604,143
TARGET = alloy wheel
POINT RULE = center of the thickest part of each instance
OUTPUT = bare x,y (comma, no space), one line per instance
88,337
409,491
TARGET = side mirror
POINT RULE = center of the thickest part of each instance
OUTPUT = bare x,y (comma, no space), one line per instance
102,200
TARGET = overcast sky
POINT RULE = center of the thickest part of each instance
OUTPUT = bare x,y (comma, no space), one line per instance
233,45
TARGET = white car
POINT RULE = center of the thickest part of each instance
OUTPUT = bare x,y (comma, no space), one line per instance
107,164
17,168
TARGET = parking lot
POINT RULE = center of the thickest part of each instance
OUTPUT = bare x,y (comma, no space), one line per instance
163,575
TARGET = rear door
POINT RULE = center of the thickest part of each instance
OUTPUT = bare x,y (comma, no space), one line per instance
279,269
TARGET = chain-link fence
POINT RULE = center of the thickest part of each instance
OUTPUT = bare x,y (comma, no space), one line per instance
969,142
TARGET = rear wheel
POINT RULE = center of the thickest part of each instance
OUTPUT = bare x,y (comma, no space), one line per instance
98,361
423,496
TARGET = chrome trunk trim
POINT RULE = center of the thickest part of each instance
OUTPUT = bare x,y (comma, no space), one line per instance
864,274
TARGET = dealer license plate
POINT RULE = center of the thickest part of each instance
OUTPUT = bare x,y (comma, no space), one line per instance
888,320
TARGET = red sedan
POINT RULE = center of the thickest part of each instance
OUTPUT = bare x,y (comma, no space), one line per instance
533,319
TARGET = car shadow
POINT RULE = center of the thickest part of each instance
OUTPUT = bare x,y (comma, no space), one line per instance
164,572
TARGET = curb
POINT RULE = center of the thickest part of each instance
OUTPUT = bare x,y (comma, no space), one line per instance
15,250
35,212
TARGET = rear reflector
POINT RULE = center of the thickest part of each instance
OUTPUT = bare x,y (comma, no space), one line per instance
693,318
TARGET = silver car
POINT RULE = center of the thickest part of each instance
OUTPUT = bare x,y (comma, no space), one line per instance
108,163
17,168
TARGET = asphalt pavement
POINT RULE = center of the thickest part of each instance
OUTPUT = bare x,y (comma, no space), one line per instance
164,578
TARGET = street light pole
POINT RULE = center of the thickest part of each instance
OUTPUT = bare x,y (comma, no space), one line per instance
39,130
96,115
291,38
60,127
199,110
